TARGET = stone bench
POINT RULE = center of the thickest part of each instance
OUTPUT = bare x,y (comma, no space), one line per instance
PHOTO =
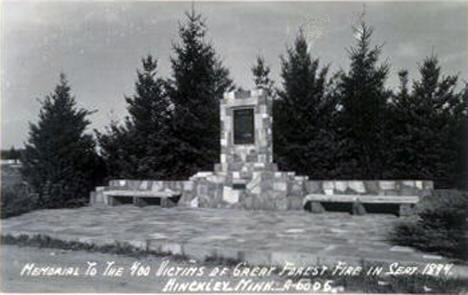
405,203
167,198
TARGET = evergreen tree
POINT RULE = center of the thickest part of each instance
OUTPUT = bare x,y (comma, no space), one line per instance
11,154
430,123
262,79
197,84
303,131
135,150
461,178
117,150
363,98
59,161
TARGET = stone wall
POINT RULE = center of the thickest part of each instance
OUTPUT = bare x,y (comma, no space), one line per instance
281,191
370,187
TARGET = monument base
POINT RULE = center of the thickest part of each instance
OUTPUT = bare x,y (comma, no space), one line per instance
269,191
265,190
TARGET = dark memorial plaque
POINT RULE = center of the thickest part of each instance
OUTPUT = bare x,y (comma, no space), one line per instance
244,126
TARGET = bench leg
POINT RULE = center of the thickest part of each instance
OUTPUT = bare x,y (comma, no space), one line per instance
167,203
358,209
111,201
139,202
316,207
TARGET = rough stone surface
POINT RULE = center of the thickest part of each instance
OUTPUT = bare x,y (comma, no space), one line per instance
256,236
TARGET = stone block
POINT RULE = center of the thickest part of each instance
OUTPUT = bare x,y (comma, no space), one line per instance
407,191
341,186
230,196
167,203
143,185
428,185
130,184
256,202
387,185
188,185
296,189
157,186
419,184
92,197
202,189
198,252
248,202
313,187
253,257
281,204
294,203
408,183
328,187
316,207
172,248
358,209
371,187
280,186
357,186
259,165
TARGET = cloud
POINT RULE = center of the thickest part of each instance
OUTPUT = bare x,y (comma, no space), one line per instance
407,50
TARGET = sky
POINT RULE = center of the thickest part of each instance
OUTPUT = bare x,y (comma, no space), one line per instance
99,45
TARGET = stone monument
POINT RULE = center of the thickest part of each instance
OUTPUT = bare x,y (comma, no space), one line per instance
246,176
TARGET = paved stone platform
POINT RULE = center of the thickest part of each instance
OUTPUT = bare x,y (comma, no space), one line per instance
258,237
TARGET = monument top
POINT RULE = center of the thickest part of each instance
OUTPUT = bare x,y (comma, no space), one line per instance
246,130
242,94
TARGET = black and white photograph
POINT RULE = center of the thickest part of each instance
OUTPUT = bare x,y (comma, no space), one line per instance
234,147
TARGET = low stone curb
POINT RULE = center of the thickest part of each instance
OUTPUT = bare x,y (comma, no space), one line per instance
202,252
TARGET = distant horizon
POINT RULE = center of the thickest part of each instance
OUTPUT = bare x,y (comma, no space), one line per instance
99,45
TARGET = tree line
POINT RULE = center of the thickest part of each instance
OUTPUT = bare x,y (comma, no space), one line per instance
346,125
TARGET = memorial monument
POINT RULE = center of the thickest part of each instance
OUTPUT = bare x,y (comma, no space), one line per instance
246,176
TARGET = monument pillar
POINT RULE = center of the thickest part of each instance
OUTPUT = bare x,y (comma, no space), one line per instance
246,176
246,132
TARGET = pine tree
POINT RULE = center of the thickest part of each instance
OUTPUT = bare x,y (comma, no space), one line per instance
262,79
135,150
431,123
303,132
399,115
363,98
461,113
197,84
59,161
117,150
